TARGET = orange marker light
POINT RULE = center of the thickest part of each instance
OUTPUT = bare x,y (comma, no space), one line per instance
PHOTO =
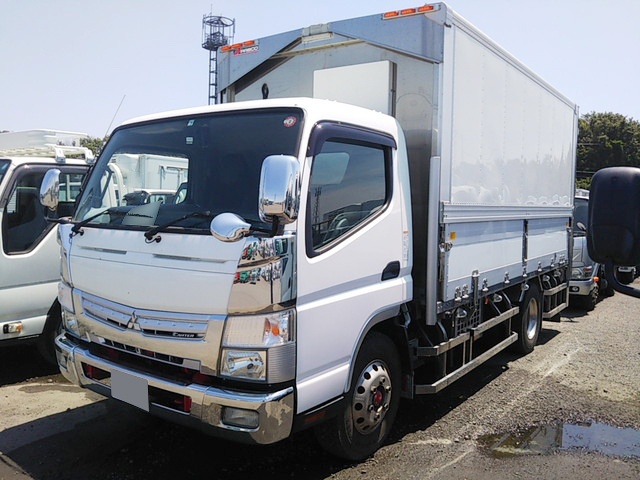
408,11
426,8
391,14
226,48
596,279
249,43
236,46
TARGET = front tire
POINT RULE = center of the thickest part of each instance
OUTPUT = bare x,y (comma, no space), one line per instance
370,405
46,342
528,322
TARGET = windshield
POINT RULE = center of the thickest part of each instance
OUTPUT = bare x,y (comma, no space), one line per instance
155,173
4,166
580,214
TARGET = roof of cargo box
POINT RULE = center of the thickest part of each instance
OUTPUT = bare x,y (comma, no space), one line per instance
419,34
319,110
237,60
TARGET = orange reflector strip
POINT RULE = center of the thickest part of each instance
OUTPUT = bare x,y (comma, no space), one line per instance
407,11
249,43
391,14
236,45
426,8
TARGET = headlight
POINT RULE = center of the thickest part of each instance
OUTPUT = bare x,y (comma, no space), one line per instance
265,330
64,266
581,273
70,323
260,347
65,296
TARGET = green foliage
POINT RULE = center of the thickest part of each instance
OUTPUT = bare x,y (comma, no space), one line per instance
94,143
584,183
606,140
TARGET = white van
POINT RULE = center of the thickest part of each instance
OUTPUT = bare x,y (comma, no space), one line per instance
29,253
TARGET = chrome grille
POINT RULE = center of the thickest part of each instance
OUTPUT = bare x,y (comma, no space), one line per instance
148,322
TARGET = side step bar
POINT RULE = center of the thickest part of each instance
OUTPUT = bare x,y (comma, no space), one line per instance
456,374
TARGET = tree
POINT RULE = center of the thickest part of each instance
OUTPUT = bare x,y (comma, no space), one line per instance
95,144
606,140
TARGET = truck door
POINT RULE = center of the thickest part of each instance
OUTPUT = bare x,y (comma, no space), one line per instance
350,254
29,257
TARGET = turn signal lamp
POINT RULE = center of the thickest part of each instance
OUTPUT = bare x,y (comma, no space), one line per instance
410,11
237,46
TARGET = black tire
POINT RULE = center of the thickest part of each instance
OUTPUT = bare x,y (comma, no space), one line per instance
46,341
356,432
528,322
588,302
625,277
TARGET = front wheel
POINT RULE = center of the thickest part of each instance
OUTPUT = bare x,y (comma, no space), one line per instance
370,405
528,321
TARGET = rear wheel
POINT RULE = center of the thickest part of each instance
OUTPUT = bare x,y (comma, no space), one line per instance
528,321
370,405
588,302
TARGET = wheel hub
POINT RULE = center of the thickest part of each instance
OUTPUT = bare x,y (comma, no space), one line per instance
532,319
372,397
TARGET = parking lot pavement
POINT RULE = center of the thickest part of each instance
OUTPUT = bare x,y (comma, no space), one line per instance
506,419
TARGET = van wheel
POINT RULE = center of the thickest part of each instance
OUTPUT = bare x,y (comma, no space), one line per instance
588,303
370,405
528,321
46,341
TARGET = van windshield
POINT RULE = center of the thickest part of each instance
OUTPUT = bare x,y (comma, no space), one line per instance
154,173
4,166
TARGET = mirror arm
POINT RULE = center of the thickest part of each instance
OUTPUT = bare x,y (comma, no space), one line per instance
609,269
275,226
61,221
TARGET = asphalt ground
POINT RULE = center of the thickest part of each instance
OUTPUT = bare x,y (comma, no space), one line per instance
509,418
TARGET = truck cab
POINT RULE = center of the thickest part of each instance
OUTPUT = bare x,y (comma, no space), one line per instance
29,253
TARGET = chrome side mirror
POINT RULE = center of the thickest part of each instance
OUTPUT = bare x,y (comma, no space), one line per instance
279,195
229,227
50,189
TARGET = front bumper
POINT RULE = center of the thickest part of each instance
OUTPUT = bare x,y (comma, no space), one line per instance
581,287
275,410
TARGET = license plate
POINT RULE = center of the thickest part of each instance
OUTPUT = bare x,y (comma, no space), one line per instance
131,389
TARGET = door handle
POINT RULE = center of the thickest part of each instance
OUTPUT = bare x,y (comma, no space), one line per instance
392,270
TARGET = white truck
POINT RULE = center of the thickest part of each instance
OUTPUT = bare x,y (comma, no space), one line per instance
329,257
29,254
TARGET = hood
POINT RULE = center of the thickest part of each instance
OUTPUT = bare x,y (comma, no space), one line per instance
182,273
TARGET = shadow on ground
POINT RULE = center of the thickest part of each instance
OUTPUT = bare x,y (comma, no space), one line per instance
23,362
110,440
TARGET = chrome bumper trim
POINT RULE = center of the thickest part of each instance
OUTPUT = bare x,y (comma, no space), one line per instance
581,287
275,410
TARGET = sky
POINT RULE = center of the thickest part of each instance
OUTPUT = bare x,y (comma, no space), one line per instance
68,64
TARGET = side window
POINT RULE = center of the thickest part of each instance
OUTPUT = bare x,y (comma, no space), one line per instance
24,221
348,185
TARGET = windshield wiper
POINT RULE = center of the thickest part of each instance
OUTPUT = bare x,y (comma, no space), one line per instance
149,234
77,228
